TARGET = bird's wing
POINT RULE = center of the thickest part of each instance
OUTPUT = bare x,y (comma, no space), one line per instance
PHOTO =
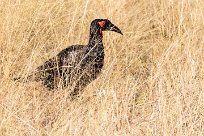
66,60
71,56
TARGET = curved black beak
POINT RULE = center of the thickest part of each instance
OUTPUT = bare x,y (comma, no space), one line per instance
114,28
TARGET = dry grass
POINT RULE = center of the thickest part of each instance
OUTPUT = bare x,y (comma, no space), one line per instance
152,82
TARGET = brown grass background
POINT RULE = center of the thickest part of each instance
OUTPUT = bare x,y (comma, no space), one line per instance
152,83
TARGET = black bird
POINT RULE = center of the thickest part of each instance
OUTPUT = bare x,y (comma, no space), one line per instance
77,65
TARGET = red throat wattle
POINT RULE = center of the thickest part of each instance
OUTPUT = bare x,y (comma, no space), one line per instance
102,24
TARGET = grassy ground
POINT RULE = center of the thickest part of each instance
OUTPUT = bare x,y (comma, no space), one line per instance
152,83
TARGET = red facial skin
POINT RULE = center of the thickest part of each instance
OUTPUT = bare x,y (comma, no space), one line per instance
102,23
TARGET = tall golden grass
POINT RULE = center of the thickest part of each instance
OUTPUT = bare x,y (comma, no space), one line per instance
152,82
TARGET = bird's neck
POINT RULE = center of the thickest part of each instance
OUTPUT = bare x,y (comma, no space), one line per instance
95,38
94,51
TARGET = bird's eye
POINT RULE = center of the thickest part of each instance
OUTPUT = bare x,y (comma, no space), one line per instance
102,23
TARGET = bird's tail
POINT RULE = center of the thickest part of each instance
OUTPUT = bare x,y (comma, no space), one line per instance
29,78
17,79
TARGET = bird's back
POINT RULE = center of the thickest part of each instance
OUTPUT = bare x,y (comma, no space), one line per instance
64,67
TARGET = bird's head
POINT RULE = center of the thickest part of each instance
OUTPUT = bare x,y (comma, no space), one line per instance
104,25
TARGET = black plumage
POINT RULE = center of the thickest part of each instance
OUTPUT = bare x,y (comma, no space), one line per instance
77,65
